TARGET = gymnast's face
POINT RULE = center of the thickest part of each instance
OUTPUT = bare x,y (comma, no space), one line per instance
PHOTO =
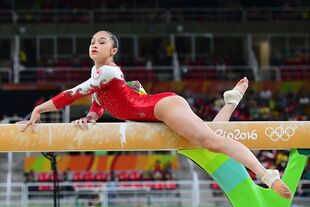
101,47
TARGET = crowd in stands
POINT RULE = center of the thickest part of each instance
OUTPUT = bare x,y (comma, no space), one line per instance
296,57
264,105
211,66
162,57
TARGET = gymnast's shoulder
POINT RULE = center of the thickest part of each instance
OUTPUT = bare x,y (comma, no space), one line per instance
107,72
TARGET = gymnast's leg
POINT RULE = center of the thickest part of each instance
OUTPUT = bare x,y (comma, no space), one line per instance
175,112
225,113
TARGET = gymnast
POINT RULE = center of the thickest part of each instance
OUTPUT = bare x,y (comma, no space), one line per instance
110,92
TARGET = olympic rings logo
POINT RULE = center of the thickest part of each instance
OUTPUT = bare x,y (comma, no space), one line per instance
279,133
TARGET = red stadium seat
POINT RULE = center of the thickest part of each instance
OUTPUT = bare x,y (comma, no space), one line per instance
101,176
44,177
89,176
59,177
135,176
123,176
78,176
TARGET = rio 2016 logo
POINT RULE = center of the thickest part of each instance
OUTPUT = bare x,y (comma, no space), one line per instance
237,134
279,133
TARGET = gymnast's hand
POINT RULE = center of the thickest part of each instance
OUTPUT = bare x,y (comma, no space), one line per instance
35,117
83,122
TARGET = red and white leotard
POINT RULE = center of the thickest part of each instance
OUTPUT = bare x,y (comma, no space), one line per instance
110,92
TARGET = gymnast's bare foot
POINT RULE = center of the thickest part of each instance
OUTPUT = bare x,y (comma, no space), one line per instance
242,85
282,189
272,179
235,95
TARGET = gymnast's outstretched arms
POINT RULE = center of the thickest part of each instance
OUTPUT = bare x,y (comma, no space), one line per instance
67,97
98,81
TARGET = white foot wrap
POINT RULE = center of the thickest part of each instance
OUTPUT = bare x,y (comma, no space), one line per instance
232,97
270,177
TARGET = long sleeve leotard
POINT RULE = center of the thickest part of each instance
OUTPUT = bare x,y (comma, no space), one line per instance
110,92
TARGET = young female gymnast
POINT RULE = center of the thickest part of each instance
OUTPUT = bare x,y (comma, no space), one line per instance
110,92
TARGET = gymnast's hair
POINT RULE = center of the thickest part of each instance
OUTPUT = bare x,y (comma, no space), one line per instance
113,38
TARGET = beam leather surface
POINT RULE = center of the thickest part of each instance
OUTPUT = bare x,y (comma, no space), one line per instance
137,136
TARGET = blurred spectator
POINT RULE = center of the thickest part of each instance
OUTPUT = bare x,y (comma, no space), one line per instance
148,63
304,99
147,175
253,110
265,95
66,175
303,107
157,172
168,171
281,160
30,177
218,102
189,96
265,114
220,66
267,158
113,176
23,58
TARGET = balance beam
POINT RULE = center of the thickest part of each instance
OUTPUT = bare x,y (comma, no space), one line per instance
132,136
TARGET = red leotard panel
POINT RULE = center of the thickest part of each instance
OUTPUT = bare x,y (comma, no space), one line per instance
111,93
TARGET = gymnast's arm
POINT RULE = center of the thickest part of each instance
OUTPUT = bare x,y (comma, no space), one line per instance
35,115
65,98
95,111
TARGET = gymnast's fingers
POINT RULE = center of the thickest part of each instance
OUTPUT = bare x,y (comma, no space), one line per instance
33,125
80,123
27,123
75,122
84,123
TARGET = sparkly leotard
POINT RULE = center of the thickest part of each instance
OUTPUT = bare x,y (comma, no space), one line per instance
110,92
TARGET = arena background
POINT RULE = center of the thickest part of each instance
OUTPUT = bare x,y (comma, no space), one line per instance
195,48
